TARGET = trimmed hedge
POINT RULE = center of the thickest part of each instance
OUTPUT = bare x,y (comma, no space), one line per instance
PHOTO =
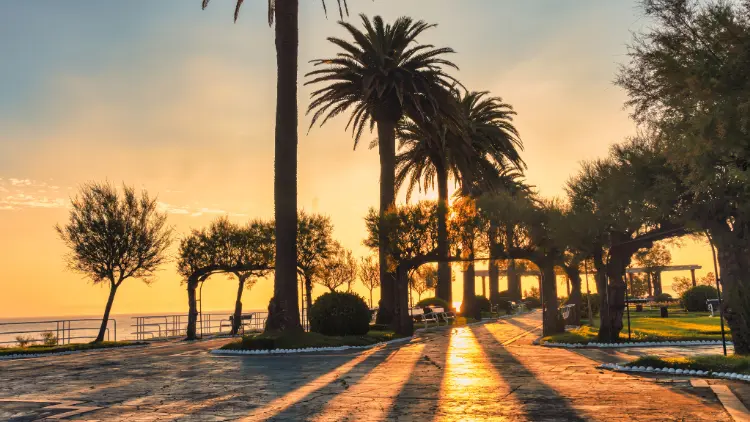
482,303
340,314
532,303
434,301
595,303
663,297
694,299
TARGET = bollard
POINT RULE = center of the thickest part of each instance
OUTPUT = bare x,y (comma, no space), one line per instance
664,312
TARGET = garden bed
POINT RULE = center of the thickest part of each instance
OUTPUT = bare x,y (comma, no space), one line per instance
712,366
680,327
308,341
40,350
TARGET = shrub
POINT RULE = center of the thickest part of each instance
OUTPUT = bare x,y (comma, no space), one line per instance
506,306
482,303
24,341
49,339
532,302
340,314
595,301
694,299
499,297
663,297
434,301
379,327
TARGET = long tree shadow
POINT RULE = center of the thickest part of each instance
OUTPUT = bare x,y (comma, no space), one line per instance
539,401
302,385
420,394
520,324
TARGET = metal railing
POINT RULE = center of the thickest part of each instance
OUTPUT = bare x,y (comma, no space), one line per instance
64,330
153,327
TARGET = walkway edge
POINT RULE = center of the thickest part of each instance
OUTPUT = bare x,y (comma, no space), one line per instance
70,352
672,371
636,344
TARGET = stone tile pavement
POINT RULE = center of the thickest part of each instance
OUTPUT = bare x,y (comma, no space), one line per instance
483,372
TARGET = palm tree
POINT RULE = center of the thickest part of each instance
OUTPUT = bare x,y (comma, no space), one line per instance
496,143
382,76
437,149
283,310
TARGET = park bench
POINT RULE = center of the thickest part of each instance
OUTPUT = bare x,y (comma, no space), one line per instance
442,315
420,316
244,319
713,305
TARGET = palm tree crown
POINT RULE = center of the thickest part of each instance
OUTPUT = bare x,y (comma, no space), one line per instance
382,75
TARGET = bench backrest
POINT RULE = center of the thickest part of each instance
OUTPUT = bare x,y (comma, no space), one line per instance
416,311
438,310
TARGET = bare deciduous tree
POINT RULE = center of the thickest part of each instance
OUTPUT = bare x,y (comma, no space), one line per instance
369,273
340,269
114,236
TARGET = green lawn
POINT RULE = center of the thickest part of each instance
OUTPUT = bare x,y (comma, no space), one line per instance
648,326
713,363
40,349
270,341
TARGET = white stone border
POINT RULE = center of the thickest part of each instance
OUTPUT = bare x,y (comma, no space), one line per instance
305,350
68,352
342,348
595,345
672,371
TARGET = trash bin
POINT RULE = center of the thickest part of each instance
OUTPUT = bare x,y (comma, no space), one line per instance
664,312
639,308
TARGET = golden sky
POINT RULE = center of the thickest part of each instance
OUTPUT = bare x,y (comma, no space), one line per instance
179,101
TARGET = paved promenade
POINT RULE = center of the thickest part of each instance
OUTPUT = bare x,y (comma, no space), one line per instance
483,372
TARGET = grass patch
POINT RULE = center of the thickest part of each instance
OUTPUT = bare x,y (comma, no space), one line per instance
645,326
713,363
271,341
40,349
581,335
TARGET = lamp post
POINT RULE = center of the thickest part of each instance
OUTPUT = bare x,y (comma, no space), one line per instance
718,291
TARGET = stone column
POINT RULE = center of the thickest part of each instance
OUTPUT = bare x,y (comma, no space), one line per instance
692,275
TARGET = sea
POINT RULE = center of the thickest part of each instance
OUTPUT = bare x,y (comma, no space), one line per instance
86,327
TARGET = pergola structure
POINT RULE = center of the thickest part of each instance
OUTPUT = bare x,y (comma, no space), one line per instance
657,288
484,274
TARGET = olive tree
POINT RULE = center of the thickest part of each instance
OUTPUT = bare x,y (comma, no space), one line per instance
114,236
228,248
314,246
687,78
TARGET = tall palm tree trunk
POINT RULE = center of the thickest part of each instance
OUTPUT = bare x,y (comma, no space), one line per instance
444,288
514,280
387,151
283,310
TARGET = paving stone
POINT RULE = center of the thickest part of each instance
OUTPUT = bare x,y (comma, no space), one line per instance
483,372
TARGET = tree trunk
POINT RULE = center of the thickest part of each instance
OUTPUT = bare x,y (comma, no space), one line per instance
602,288
107,309
650,285
469,306
308,295
610,329
387,151
494,272
514,280
552,322
401,322
732,253
283,309
444,288
574,276
237,319
657,284
192,284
